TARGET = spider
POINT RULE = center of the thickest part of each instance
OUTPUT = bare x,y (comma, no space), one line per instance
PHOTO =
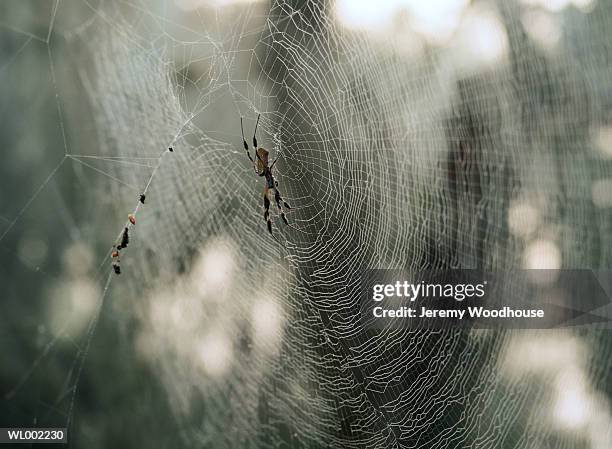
262,169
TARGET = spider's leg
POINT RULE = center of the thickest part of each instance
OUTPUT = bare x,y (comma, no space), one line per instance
272,166
278,199
246,145
255,133
286,204
267,210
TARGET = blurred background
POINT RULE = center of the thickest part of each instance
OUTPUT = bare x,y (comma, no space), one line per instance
412,134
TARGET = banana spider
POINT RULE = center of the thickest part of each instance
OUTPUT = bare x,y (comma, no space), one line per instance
262,168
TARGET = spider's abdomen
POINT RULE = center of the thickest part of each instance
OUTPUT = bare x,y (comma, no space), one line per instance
262,156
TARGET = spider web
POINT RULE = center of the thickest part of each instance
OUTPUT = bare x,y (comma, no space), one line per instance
397,149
